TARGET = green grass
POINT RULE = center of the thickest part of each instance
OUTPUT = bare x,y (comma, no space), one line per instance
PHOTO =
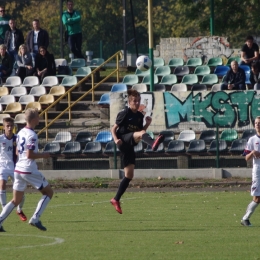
154,225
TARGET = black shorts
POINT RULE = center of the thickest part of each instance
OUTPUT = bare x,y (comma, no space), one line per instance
127,149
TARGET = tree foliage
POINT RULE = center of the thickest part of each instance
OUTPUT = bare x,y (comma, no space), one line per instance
103,21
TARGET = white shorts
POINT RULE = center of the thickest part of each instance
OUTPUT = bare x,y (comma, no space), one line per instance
36,179
255,188
5,174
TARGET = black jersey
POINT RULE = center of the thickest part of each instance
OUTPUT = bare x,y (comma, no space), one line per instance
128,121
250,53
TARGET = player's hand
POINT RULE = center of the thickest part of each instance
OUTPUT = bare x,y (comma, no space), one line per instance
148,120
256,154
118,142
46,155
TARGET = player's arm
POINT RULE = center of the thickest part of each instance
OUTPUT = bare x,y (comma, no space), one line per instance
252,154
148,121
32,155
113,131
243,56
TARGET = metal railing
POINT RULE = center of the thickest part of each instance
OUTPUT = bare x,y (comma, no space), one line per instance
94,85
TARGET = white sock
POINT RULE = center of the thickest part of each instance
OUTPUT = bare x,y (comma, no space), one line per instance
20,206
250,210
41,207
3,198
6,211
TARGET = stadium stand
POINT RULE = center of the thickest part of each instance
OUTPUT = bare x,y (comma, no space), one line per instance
187,135
189,79
216,87
169,80
207,135
194,62
197,146
157,62
146,80
176,147
198,87
209,79
4,91
140,87
104,100
159,87
62,137
179,87
77,63
130,79
175,62
72,147
52,148
248,133
222,146
92,148
104,137
119,87
13,108
238,146
162,71
110,147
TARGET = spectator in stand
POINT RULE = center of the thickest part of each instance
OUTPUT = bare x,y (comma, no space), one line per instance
255,75
4,23
71,19
249,52
235,78
36,38
44,64
24,62
13,39
6,63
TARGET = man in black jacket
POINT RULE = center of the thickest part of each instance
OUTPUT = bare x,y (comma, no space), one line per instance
235,78
6,64
13,39
36,38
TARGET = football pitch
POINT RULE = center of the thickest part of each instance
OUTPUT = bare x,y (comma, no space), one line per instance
154,225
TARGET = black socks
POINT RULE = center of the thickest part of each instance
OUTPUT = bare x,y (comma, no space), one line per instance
147,139
122,188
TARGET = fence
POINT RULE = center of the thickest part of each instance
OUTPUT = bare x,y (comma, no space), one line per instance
93,148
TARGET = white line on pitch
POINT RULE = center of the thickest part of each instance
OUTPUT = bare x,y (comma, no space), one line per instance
57,240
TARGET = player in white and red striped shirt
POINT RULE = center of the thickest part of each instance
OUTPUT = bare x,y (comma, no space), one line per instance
26,171
252,151
8,160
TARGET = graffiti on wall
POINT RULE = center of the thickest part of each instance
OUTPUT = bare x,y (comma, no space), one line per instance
205,47
215,108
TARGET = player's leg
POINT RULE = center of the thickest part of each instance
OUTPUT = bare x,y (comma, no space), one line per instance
255,192
17,197
47,194
19,210
142,135
2,191
128,158
40,183
250,210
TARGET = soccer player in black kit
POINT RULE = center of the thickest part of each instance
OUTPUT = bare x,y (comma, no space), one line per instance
127,132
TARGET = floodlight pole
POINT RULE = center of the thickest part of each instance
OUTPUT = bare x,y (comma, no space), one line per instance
61,30
212,23
150,32
124,32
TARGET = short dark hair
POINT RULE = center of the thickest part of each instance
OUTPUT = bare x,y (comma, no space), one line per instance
133,93
249,38
36,20
8,120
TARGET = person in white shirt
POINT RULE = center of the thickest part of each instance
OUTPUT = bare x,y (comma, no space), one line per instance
252,151
36,38
8,159
26,171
